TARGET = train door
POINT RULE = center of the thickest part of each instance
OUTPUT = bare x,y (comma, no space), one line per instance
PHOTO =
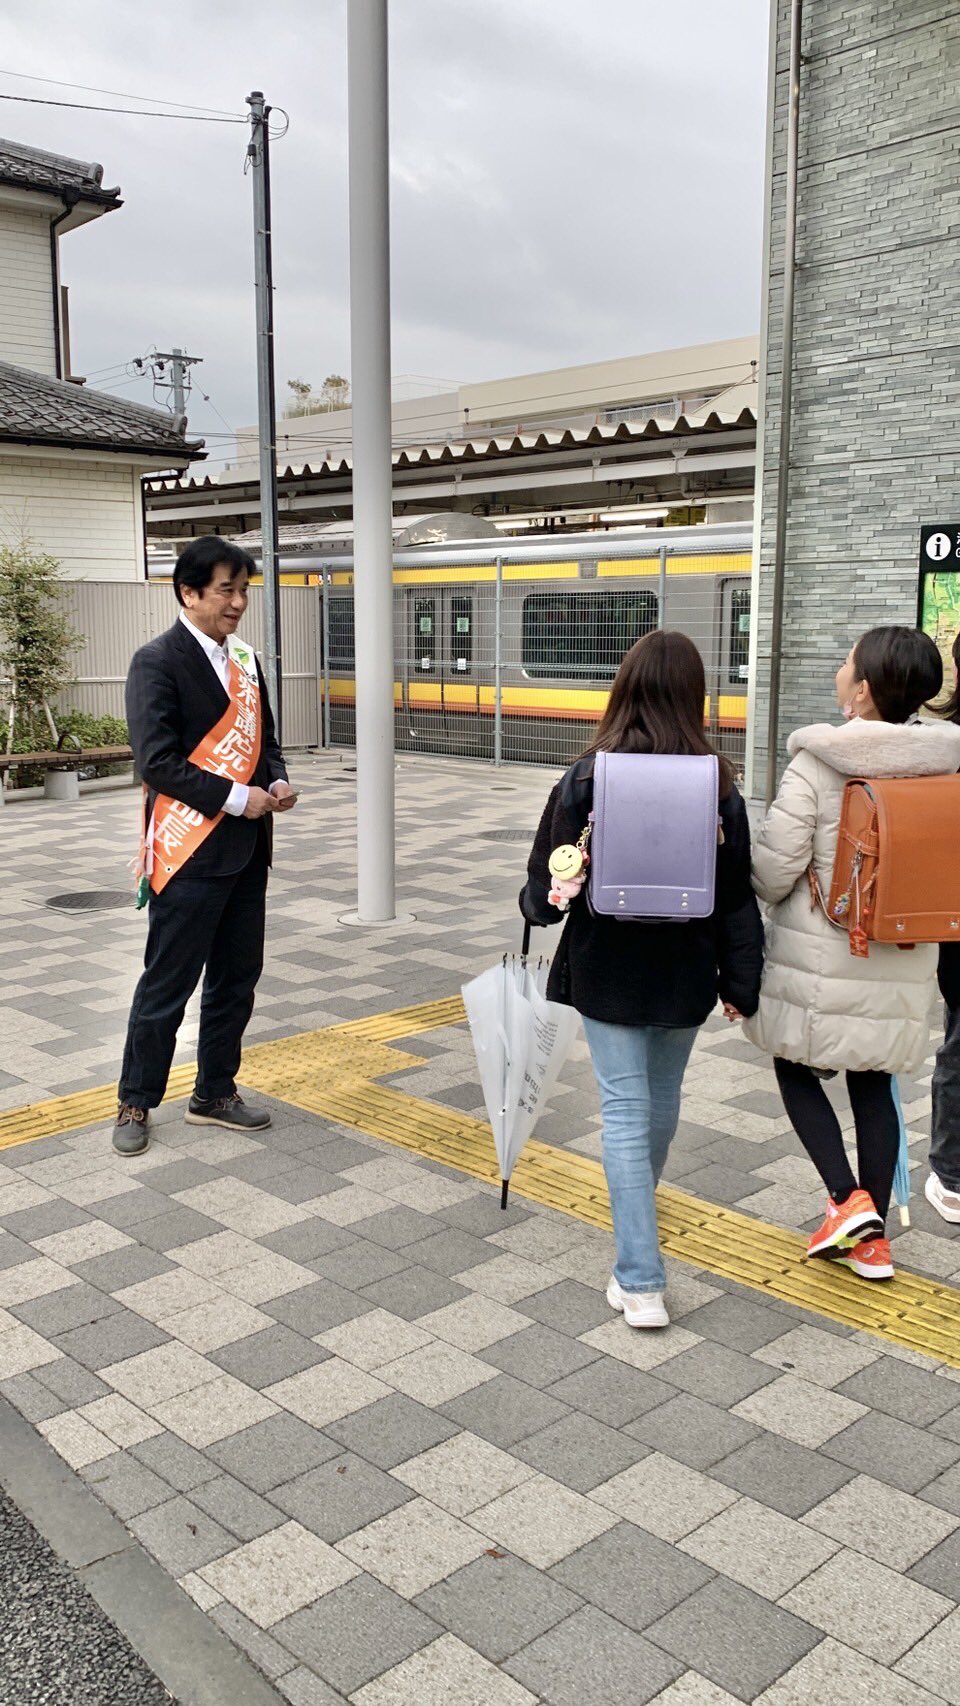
733,660
338,649
443,673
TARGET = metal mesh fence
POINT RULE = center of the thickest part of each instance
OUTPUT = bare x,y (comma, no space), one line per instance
507,660
513,662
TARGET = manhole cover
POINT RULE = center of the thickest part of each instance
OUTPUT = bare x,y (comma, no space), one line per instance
507,834
89,900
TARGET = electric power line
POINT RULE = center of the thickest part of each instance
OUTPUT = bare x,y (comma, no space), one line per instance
131,112
122,94
231,430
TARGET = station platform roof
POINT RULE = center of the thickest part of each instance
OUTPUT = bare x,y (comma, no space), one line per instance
703,456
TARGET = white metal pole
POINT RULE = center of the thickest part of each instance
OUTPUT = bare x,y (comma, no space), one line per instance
367,88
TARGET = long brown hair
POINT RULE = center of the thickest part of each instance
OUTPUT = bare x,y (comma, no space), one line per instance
656,702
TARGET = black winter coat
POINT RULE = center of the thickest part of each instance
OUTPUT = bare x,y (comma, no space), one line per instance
948,974
648,973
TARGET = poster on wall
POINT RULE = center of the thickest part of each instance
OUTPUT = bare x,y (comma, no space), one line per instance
939,592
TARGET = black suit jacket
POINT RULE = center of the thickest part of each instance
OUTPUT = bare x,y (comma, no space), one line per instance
174,698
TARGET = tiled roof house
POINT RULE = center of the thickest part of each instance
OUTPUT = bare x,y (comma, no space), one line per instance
71,459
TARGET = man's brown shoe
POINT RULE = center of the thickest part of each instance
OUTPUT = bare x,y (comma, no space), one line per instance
130,1135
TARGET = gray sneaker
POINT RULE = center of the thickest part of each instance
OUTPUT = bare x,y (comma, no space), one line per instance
130,1134
229,1111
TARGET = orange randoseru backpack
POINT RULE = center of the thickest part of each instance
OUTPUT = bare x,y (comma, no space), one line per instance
896,872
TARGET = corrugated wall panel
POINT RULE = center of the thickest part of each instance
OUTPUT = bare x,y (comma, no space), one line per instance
115,618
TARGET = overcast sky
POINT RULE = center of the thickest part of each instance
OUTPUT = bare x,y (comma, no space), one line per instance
571,182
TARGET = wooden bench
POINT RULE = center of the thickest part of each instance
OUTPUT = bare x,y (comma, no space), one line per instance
80,758
61,781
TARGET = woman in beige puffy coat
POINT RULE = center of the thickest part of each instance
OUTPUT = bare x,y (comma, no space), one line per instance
821,1010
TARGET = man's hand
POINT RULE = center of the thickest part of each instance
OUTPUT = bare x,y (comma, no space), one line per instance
259,802
731,1013
284,796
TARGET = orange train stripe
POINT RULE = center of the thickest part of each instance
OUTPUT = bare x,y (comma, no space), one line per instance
546,713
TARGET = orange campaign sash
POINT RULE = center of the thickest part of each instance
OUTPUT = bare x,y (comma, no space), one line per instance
174,830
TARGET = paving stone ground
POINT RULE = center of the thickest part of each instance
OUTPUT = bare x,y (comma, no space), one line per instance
392,1440
56,1645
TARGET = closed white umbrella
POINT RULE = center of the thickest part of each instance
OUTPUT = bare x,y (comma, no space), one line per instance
521,1041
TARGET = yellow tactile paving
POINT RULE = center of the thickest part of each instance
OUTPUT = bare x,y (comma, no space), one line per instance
332,1073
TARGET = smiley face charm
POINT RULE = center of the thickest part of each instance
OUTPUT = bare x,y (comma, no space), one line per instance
566,862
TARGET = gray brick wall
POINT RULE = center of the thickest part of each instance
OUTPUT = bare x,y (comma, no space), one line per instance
875,448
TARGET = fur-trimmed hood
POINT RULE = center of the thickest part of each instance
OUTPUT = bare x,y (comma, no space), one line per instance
860,748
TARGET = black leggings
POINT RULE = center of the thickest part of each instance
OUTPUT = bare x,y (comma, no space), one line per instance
815,1123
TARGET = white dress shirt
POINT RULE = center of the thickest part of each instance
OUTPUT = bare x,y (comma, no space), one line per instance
236,800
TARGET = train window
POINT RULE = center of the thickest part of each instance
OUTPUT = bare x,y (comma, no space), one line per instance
739,635
583,634
341,628
461,633
425,632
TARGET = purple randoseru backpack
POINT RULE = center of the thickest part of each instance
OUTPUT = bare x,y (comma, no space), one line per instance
653,849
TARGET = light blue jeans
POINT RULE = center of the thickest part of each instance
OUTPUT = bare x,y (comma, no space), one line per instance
639,1071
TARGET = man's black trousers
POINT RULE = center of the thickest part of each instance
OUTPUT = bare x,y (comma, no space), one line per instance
197,921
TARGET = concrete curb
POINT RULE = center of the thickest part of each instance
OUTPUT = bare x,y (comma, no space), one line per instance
189,1655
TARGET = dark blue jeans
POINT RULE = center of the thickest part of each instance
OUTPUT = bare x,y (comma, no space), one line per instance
945,1126
197,922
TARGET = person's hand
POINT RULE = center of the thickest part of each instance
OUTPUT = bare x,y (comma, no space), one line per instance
563,890
284,795
731,1013
259,802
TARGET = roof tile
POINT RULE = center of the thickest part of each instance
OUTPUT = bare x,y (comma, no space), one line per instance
37,410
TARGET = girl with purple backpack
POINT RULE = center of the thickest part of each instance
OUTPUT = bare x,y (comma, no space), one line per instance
643,987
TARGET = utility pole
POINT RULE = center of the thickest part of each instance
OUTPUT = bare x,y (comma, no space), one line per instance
258,158
369,147
179,365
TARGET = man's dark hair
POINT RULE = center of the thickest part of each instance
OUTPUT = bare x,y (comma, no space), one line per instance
197,562
901,667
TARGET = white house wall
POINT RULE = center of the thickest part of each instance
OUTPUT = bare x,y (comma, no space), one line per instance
83,511
27,335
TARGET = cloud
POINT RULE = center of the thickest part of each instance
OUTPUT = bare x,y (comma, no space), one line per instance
569,182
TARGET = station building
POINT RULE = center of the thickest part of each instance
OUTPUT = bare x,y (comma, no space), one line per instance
874,441
674,430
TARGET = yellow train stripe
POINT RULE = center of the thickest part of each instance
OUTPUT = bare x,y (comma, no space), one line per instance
650,567
558,702
331,1073
732,563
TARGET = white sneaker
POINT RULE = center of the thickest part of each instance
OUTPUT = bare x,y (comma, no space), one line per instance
946,1203
638,1308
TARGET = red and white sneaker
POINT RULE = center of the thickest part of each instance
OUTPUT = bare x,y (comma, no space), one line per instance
845,1223
871,1259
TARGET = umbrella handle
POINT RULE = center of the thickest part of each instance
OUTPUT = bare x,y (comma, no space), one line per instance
525,948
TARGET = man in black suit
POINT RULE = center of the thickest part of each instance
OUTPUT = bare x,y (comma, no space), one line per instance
204,741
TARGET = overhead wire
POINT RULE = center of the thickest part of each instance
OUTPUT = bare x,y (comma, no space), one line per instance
121,94
131,112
